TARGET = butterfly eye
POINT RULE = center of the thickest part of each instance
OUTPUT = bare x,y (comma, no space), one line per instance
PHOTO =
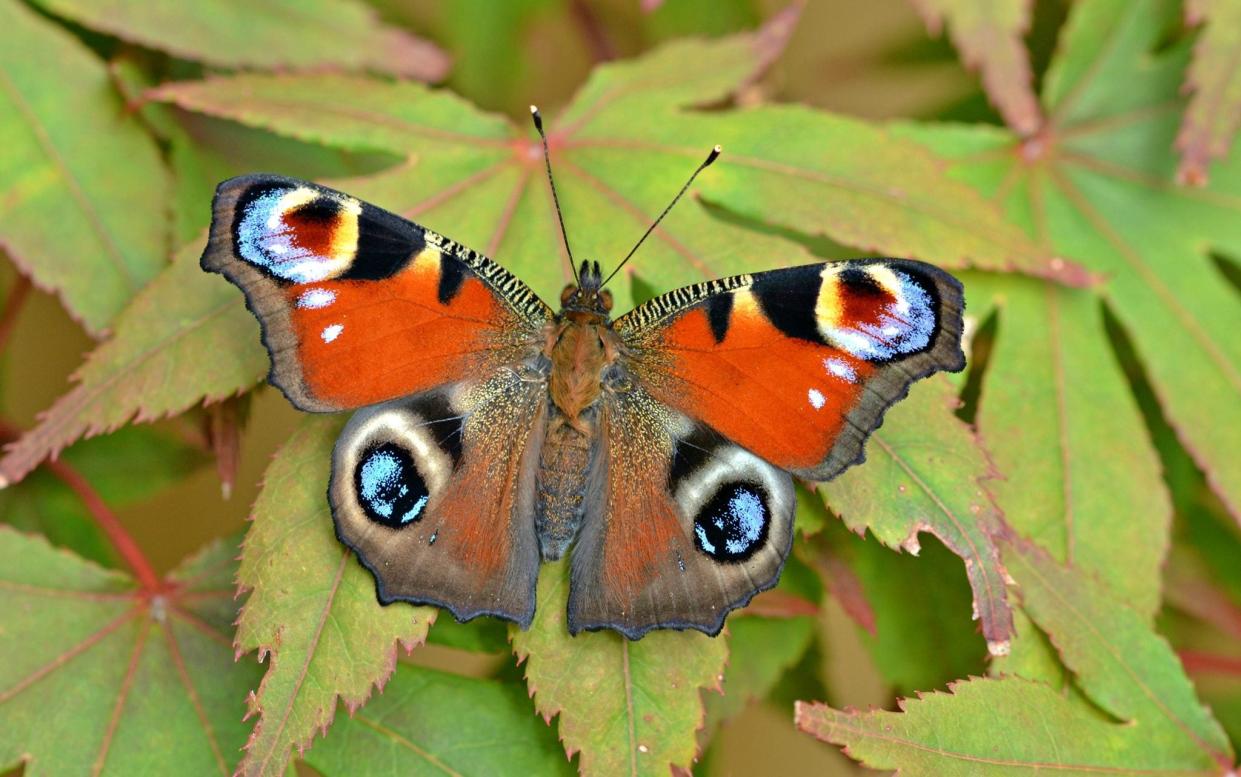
389,487
732,525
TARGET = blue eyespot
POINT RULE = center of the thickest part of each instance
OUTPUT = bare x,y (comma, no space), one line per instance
733,524
389,487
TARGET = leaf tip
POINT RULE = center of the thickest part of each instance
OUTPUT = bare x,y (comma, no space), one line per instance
999,647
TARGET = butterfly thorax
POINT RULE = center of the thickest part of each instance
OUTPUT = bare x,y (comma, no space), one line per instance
581,347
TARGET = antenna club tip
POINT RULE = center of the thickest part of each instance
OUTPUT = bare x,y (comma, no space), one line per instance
715,154
537,117
534,109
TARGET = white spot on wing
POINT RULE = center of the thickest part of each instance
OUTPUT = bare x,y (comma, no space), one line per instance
316,298
841,369
816,398
330,333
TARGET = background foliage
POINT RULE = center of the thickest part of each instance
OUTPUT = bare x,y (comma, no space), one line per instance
1077,490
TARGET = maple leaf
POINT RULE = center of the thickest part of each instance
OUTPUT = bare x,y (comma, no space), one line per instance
1095,184
153,365
988,34
479,177
1119,663
268,34
1214,77
1052,361
312,608
143,678
431,722
66,208
922,473
626,706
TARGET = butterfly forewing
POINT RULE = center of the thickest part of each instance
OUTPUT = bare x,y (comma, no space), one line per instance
798,365
358,305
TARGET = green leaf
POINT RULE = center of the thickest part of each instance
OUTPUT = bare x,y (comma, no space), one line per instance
434,723
312,609
1122,665
154,363
266,34
1214,111
922,473
631,707
1014,726
82,186
1052,361
988,34
994,727
1095,185
100,677
44,504
479,178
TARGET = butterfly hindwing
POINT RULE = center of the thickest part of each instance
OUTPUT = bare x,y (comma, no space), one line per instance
682,527
798,365
435,493
358,305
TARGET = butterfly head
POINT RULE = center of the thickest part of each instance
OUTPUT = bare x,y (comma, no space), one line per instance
588,295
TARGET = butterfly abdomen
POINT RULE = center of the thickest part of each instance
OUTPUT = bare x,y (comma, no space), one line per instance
563,466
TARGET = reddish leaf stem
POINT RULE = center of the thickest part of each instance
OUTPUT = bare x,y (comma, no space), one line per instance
107,520
13,304
1196,662
102,515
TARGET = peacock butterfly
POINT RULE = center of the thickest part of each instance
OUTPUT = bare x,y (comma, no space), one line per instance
494,432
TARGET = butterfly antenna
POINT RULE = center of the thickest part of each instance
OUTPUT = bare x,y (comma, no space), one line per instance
711,157
547,160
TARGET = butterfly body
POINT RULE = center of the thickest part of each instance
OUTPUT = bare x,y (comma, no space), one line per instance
656,450
580,350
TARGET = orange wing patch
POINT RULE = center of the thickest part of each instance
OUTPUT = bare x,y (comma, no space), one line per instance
361,342
783,398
